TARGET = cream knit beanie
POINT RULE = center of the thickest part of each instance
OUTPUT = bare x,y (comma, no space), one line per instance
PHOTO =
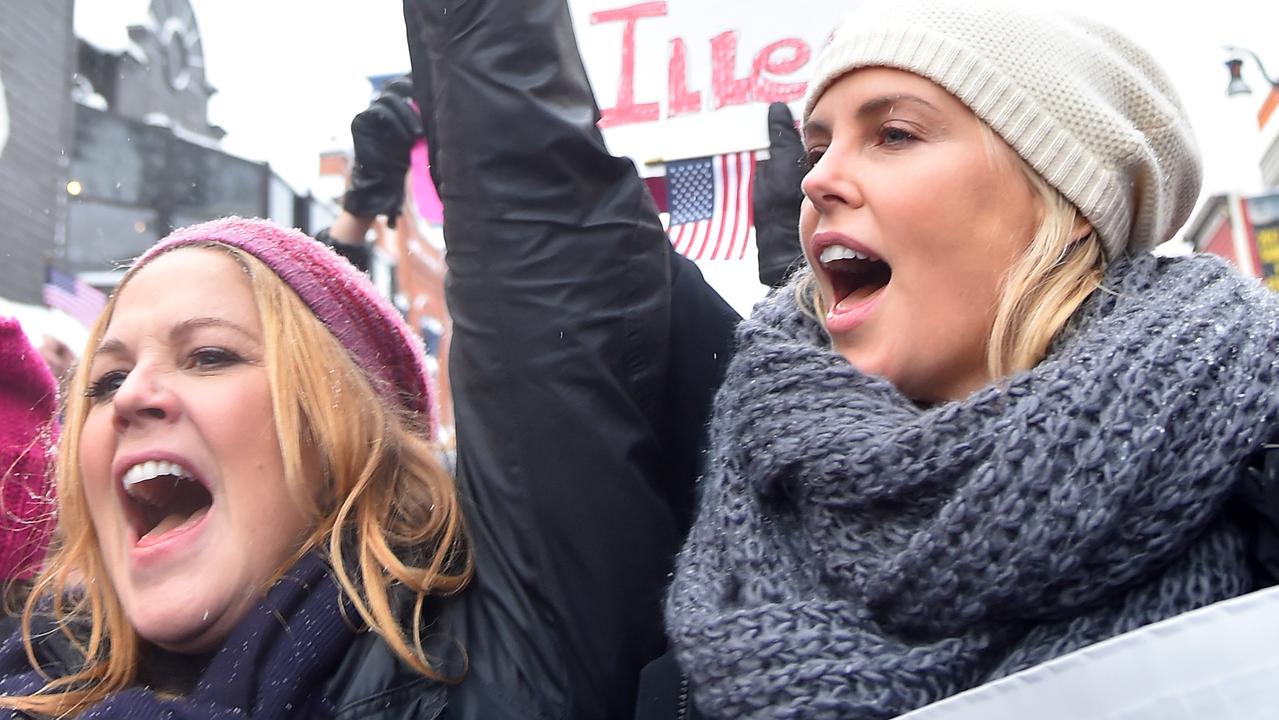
1083,105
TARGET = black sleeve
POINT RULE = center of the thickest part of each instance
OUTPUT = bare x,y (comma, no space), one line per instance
560,287
357,255
1258,505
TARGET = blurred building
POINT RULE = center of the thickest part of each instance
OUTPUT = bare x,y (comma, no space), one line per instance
144,158
1245,230
37,56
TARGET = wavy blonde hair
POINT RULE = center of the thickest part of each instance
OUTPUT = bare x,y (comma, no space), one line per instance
386,512
1042,288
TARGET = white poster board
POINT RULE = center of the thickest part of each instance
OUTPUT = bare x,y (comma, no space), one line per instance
1220,663
678,79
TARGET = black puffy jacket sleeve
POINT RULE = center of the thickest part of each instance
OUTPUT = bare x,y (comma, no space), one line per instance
580,382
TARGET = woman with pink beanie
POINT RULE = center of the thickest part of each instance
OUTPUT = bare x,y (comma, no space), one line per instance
251,513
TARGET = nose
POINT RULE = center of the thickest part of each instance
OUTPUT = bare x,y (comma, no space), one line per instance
832,183
144,397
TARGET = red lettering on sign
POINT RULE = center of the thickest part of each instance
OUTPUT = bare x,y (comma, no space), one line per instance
727,88
780,58
682,100
627,110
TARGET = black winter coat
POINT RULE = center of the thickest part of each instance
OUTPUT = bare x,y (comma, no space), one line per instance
508,657
584,357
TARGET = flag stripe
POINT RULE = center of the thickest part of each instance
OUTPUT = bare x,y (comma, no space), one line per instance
722,200
737,213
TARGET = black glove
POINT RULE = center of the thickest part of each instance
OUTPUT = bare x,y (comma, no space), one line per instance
777,197
383,135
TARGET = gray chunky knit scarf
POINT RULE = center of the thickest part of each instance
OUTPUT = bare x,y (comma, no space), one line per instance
857,556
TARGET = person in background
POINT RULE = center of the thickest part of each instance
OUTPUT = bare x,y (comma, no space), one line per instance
383,136
986,426
58,356
252,520
28,403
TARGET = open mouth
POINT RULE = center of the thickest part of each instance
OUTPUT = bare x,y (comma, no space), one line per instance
854,276
163,497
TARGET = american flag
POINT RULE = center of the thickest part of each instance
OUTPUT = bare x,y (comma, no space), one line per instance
73,296
710,197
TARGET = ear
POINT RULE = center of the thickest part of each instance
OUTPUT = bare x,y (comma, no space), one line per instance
1082,228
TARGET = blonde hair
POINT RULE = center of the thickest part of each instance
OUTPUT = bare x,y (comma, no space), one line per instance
386,512
1045,285
1040,291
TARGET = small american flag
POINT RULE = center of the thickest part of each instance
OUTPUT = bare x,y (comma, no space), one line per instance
711,215
73,296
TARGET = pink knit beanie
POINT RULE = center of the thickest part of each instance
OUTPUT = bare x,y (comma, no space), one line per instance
27,405
342,298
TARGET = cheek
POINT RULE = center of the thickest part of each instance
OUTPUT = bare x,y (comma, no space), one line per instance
807,226
96,450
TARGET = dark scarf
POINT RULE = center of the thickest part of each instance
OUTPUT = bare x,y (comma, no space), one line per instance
273,665
857,556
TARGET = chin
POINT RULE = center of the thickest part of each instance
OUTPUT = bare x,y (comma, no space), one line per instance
189,626
868,363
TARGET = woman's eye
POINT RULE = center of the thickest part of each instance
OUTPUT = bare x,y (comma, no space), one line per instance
208,358
895,136
105,386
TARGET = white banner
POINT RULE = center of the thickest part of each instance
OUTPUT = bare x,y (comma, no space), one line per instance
1216,662
677,79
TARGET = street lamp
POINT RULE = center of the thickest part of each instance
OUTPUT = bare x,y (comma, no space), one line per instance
1234,200
1238,86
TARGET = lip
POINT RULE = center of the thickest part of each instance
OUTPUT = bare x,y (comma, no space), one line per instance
839,321
145,554
822,240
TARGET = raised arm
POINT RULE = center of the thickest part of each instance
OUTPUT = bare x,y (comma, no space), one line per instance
560,286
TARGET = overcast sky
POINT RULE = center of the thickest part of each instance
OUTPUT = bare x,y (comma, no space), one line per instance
291,73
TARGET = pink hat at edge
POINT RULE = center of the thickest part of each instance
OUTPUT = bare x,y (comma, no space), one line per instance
28,401
341,296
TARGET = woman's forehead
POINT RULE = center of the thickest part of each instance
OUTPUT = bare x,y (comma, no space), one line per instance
183,285
880,89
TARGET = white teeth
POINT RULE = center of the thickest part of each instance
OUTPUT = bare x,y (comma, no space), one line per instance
153,469
839,252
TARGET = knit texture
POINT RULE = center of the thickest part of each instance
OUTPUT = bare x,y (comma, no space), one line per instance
1084,106
275,663
857,556
342,298
28,401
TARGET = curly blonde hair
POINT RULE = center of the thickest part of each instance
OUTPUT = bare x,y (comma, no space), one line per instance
386,513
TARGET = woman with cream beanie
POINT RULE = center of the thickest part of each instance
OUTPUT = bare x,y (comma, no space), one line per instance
987,427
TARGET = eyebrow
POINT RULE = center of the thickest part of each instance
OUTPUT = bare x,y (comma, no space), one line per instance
872,107
182,329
